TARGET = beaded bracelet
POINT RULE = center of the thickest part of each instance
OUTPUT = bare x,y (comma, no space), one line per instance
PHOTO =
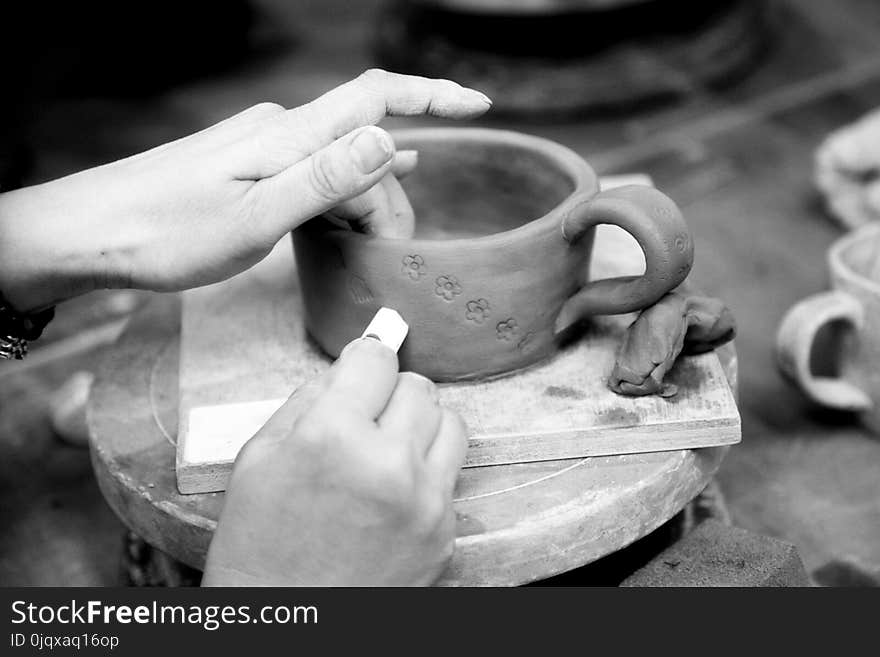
17,330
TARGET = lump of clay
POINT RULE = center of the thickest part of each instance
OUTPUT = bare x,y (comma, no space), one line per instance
679,323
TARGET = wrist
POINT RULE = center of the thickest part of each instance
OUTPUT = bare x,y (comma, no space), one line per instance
45,256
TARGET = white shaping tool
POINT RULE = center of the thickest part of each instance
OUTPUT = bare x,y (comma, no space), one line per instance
215,434
388,327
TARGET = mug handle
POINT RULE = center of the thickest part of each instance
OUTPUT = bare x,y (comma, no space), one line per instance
656,223
794,342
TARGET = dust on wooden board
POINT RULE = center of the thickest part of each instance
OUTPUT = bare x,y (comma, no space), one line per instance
621,416
565,392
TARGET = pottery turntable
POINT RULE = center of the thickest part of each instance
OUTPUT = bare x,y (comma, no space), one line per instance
560,470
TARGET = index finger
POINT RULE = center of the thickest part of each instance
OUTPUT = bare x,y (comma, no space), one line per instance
363,377
375,94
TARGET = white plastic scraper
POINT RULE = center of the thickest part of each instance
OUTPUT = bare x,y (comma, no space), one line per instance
388,328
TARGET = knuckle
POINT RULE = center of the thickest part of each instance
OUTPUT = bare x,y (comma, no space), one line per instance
324,180
314,431
305,121
327,433
423,402
265,141
373,78
417,382
372,88
265,109
421,393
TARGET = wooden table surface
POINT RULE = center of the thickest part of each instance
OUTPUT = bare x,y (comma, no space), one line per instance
738,160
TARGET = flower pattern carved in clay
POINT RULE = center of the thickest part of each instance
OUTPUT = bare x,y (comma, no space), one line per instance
413,266
447,287
507,329
477,310
523,344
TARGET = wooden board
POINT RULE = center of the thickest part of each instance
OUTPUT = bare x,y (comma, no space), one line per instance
243,344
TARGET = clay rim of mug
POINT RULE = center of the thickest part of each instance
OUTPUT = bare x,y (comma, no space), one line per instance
584,180
837,257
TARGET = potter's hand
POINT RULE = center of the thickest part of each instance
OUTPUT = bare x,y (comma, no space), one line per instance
203,208
350,483
848,171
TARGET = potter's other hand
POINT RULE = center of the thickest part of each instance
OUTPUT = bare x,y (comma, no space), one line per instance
205,207
349,484
848,171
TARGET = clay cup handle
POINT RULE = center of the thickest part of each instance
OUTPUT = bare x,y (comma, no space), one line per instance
794,343
656,223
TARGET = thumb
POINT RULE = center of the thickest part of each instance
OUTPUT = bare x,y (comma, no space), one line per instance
336,173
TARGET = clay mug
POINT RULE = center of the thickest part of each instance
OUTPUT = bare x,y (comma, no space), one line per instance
498,265
854,305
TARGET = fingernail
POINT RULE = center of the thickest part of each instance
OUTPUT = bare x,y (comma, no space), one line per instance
371,149
356,343
483,97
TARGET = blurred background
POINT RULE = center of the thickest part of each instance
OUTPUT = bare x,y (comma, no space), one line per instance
722,102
